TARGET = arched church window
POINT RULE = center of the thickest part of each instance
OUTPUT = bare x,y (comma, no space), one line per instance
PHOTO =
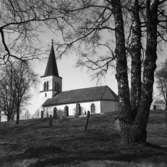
92,108
47,85
58,87
55,86
66,110
44,86
78,109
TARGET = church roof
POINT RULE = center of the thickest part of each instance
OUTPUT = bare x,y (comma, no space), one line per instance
51,68
82,95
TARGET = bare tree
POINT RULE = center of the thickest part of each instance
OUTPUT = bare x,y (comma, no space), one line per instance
20,24
7,92
16,80
27,115
161,76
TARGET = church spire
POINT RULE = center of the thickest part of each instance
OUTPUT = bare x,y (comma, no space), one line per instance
51,68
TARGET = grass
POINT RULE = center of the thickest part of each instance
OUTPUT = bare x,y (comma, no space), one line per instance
33,143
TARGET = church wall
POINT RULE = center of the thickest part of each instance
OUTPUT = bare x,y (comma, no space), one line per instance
85,106
52,89
109,106
45,79
51,80
46,94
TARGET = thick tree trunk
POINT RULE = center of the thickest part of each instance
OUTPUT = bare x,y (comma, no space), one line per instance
166,114
138,131
18,115
17,118
125,116
135,51
8,117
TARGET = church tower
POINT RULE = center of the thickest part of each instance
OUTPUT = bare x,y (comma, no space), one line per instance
51,81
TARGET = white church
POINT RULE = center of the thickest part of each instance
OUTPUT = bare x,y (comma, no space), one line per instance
76,102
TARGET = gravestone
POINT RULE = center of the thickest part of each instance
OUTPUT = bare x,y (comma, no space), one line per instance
55,113
42,114
50,121
87,120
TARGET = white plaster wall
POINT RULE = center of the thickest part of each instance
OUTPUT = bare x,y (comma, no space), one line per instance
109,106
51,79
48,94
72,108
44,79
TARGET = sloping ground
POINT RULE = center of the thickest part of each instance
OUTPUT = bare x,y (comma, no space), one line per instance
33,143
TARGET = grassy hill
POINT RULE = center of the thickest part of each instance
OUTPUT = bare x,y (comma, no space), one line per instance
33,143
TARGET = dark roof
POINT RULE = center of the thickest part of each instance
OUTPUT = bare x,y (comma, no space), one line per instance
82,95
51,68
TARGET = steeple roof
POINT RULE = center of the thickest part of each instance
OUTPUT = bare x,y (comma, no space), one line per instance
51,68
